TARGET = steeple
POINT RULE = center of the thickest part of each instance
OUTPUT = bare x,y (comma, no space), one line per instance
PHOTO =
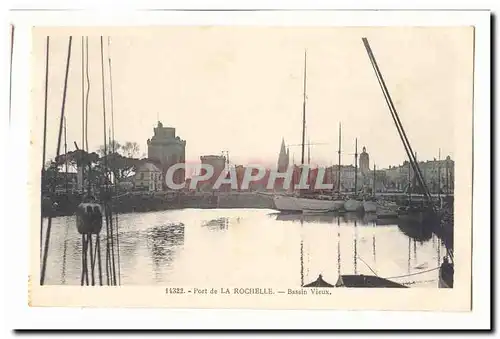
283,147
283,157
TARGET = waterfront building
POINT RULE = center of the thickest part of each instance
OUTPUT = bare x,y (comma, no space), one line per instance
218,162
347,175
438,175
167,149
148,177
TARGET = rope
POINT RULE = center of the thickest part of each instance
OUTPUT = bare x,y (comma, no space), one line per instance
408,275
63,106
44,129
87,94
367,265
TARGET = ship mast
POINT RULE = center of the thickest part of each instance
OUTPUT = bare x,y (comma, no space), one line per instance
356,167
397,121
304,110
340,143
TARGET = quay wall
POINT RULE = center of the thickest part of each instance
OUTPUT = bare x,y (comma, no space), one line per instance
66,204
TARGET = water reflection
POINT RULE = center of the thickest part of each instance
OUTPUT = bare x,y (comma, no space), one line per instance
420,253
219,247
219,224
164,242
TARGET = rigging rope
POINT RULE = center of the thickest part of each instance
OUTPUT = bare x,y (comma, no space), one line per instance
44,135
411,274
63,106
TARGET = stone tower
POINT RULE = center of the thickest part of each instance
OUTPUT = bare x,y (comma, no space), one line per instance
364,162
167,149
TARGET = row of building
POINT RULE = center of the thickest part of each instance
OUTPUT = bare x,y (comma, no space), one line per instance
165,149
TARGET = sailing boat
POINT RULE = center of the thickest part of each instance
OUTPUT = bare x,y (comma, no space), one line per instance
298,203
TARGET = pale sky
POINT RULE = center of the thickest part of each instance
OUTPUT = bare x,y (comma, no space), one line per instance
240,89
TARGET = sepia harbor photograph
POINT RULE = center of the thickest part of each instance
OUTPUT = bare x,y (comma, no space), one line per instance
262,161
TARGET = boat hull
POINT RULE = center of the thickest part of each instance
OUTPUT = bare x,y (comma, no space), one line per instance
296,204
286,204
370,206
316,204
352,205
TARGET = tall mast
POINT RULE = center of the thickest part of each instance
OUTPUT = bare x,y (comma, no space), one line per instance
44,151
439,174
397,121
65,157
83,93
304,109
340,144
112,132
374,178
308,152
356,167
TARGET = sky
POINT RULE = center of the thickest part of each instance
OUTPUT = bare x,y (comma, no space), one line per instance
240,89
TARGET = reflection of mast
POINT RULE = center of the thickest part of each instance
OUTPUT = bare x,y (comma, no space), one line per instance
301,262
409,254
338,246
355,247
301,255
374,258
415,251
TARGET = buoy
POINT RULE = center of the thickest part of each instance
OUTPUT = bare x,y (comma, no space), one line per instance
89,218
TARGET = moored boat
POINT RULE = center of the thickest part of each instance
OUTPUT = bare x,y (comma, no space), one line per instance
446,272
365,281
286,204
353,205
370,206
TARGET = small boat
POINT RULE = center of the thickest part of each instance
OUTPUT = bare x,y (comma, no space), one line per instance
315,211
446,272
365,281
353,205
286,203
370,206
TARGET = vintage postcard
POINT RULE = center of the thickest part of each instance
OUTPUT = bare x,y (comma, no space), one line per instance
252,166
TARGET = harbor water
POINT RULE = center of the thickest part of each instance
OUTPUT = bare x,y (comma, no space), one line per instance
251,247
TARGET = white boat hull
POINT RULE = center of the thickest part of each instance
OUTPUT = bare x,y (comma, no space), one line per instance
338,205
370,206
315,211
316,204
296,204
352,205
285,203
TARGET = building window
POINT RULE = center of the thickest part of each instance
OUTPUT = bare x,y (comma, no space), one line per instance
142,176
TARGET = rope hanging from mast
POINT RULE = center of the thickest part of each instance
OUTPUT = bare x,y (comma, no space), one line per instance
397,121
63,106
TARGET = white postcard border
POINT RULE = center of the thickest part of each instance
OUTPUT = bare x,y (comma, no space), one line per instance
19,137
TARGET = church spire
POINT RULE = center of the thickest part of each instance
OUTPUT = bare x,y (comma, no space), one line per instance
283,157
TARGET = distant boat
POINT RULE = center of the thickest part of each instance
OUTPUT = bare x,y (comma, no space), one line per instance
353,205
365,281
446,273
286,203
315,211
370,206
